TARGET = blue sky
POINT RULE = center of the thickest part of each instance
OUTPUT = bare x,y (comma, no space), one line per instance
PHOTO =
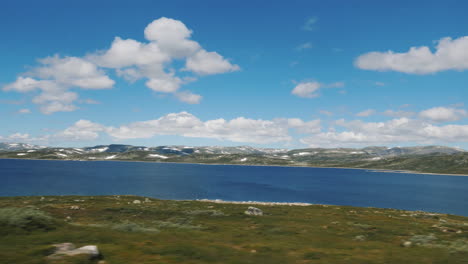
265,73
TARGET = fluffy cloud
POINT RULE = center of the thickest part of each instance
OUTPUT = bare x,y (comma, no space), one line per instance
55,77
450,54
185,124
395,131
340,133
310,89
168,41
398,113
82,130
205,63
188,97
366,113
307,89
443,114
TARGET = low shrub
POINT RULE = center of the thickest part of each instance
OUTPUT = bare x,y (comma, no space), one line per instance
26,219
133,227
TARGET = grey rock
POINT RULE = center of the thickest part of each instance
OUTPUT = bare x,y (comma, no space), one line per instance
407,244
253,211
68,249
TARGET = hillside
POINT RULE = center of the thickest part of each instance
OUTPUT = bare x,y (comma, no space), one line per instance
130,229
429,159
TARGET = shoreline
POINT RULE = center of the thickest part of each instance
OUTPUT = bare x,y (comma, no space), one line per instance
259,165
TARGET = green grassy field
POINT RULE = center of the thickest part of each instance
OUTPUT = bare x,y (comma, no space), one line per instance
160,231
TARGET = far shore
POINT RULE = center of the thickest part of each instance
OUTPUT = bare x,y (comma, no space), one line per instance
257,165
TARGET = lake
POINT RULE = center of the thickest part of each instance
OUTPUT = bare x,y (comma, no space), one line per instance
434,193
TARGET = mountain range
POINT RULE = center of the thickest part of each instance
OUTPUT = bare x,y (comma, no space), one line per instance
436,159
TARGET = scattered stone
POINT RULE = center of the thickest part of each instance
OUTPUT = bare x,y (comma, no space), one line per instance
136,202
42,199
253,211
68,249
253,251
68,218
459,232
75,207
147,200
360,238
407,244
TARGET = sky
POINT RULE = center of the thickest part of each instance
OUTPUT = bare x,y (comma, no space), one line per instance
281,74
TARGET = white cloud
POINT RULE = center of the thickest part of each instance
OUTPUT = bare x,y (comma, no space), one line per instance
205,63
55,77
128,52
395,131
167,85
82,130
307,89
172,36
304,46
450,54
310,89
325,112
185,124
24,111
443,114
366,113
188,97
309,25
399,113
18,137
168,41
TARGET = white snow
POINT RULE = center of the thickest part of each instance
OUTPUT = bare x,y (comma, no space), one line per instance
243,159
376,158
99,149
157,156
92,158
31,150
21,154
110,157
61,154
304,153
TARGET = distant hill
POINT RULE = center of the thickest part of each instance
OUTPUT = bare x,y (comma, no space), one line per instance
436,159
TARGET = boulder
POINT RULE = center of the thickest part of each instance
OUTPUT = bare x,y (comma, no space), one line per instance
253,211
136,202
407,244
68,249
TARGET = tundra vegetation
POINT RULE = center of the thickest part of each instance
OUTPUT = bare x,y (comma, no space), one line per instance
131,229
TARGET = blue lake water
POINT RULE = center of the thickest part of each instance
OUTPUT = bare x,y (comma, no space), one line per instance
435,193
